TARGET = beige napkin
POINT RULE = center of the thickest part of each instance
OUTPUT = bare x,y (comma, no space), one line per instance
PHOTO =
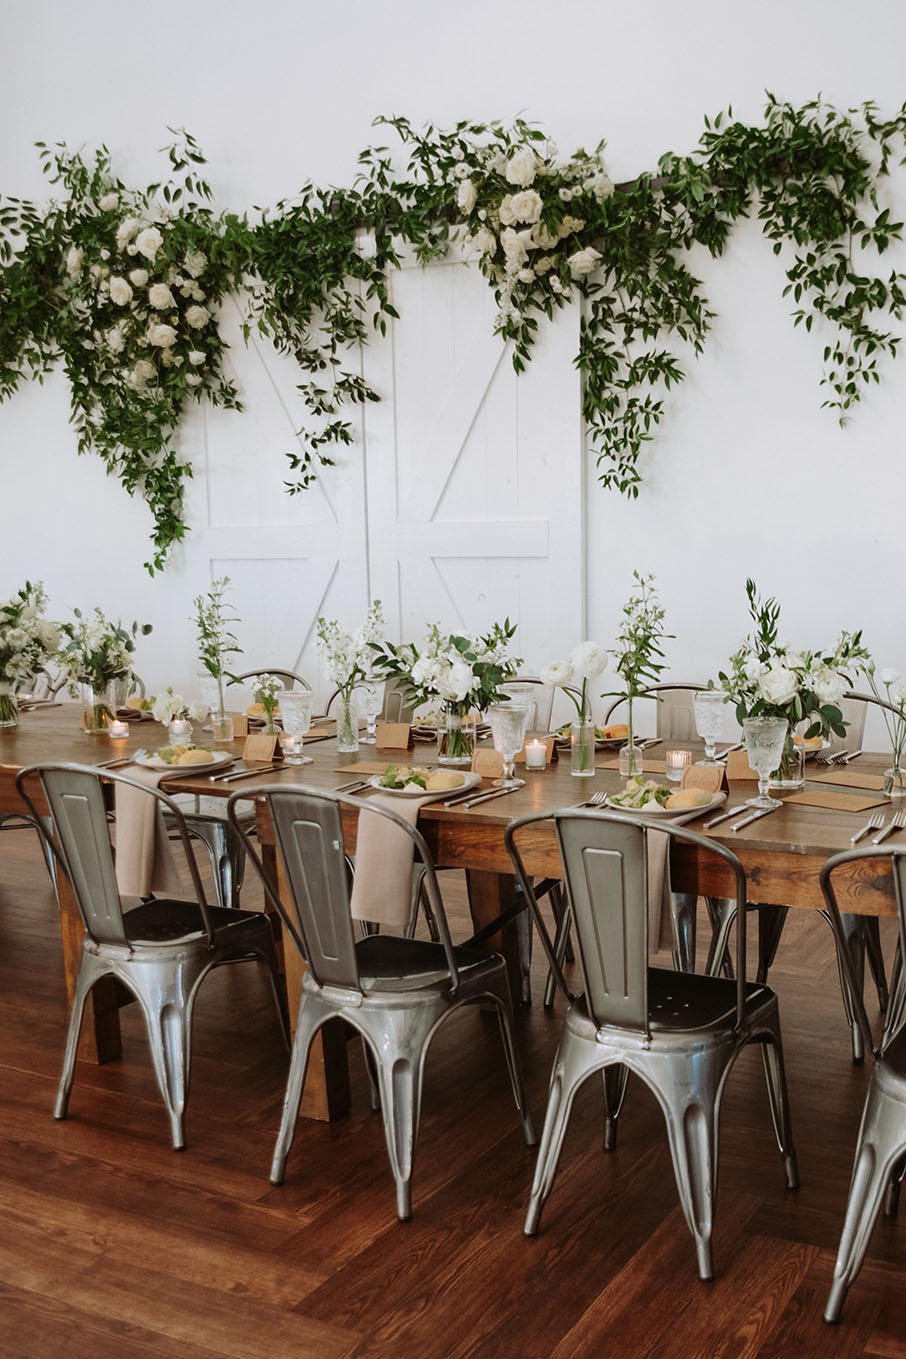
382,888
660,918
144,862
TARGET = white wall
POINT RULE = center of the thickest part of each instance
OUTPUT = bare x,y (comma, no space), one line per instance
748,477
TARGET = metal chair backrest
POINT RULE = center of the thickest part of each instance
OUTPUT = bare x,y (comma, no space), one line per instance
79,839
895,856
308,828
605,868
854,707
536,695
397,708
675,711
288,677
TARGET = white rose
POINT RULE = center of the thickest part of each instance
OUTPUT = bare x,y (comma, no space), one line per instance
526,276
73,261
601,186
197,317
195,263
115,339
125,231
48,633
505,212
778,685
888,676
148,242
566,195
588,659
544,264
138,277
558,672
516,244
193,379
544,238
163,337
109,202
522,167
160,297
466,196
197,356
461,171
829,685
584,262
527,206
484,241
120,292
456,683
143,373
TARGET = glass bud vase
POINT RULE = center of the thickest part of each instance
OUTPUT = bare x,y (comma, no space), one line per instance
9,709
632,760
895,781
454,746
790,773
582,749
347,728
221,728
97,709
179,731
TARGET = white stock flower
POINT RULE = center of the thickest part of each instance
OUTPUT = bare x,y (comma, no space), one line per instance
161,336
466,196
120,292
109,202
584,262
197,317
195,263
588,659
778,685
522,167
829,685
526,206
197,356
148,242
160,297
138,277
73,261
558,672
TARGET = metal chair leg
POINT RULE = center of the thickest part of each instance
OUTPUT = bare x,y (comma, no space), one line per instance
691,1108
561,952
167,1002
683,908
616,1079
90,970
871,928
504,1006
771,920
775,1076
310,1018
570,1070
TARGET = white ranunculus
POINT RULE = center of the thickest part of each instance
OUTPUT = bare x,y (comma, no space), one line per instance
195,263
73,261
584,262
484,241
829,685
778,685
888,676
558,672
588,659
148,242
109,203
160,297
125,231
466,196
505,212
197,356
120,292
527,206
161,336
197,317
193,380
522,167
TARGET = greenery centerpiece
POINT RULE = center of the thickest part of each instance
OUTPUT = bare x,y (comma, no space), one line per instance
462,673
216,644
768,678
95,653
638,657
346,659
27,641
585,662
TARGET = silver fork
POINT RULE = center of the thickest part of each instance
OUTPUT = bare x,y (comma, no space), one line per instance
897,822
596,800
839,757
874,822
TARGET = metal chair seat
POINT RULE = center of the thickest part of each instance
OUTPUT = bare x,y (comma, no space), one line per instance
165,921
690,1001
387,962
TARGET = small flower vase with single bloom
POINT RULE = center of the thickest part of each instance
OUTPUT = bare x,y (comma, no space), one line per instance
582,749
347,727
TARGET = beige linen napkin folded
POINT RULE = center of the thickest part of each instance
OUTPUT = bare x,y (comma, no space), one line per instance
144,862
660,917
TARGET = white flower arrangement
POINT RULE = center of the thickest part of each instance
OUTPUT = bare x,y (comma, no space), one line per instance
27,641
98,651
347,657
462,673
586,662
169,706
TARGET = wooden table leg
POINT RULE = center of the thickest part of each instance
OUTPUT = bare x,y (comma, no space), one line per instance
326,1093
100,1037
490,894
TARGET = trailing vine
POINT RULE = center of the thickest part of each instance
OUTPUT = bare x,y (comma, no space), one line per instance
122,285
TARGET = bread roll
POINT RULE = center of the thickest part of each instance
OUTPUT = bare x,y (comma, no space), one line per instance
196,757
617,731
688,797
442,779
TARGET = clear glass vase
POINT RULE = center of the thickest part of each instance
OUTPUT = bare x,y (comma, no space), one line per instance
454,746
632,759
582,749
221,728
179,731
347,728
895,781
9,709
97,709
790,773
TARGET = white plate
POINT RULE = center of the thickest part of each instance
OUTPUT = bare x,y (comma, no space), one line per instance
469,780
221,757
655,808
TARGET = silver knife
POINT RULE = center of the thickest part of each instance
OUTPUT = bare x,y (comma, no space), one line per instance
724,816
243,773
756,816
486,797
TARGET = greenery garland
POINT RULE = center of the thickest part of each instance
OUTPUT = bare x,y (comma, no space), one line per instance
123,284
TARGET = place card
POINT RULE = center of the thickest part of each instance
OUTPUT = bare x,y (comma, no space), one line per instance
261,748
240,725
394,735
839,802
488,763
738,766
712,778
849,778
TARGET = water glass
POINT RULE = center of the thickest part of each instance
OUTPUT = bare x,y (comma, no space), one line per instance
295,711
710,710
369,699
509,722
764,745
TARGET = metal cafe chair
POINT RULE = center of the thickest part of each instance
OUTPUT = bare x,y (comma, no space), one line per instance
880,1159
394,991
678,1031
161,950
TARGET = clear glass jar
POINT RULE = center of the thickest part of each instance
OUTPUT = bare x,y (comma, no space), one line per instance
347,728
9,709
97,709
895,781
790,773
454,746
582,749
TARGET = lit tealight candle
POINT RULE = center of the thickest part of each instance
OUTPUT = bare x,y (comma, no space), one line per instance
117,728
678,761
535,755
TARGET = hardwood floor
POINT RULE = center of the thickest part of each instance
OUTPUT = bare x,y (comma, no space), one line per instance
113,1245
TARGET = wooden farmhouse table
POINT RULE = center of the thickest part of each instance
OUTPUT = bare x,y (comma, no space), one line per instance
781,853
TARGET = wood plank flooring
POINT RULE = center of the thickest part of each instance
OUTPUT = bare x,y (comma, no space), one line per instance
113,1245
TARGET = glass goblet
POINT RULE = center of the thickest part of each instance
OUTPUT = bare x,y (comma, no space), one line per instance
295,710
764,745
710,710
369,699
509,722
